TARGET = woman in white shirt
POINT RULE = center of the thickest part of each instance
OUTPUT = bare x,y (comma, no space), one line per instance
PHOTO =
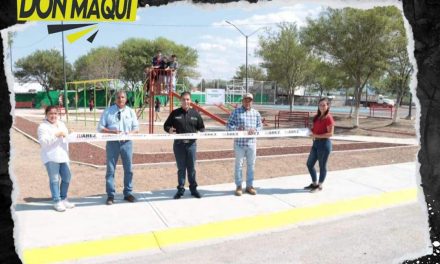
52,135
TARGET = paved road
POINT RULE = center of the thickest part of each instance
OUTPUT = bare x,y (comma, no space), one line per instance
387,236
368,214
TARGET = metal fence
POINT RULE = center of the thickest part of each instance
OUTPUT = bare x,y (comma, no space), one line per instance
264,92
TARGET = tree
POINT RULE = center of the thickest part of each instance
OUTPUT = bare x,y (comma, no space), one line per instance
44,67
98,63
186,56
212,84
356,41
11,36
136,54
286,60
399,68
254,72
326,77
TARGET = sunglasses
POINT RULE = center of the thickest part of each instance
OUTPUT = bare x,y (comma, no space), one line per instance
118,116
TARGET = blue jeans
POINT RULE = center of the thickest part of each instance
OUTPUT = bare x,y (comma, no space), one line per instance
113,150
185,154
171,81
55,171
320,151
250,152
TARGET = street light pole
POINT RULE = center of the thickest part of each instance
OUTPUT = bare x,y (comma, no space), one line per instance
247,63
246,36
64,75
10,55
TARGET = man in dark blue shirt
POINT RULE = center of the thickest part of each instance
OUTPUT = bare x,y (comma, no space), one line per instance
157,60
185,120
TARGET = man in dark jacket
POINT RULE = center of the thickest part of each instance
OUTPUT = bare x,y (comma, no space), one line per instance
185,120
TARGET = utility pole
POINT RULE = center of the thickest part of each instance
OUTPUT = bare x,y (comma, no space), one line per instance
64,73
246,36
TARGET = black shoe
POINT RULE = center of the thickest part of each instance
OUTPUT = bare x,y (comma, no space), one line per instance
196,194
311,186
109,201
130,198
317,188
178,195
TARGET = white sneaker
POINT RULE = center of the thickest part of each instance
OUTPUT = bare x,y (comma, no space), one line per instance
59,206
68,204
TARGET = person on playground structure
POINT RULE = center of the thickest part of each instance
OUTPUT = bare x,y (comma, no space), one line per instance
185,120
322,130
55,156
163,75
116,119
159,65
157,60
248,119
172,65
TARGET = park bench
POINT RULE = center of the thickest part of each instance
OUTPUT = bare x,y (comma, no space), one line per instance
377,110
23,104
292,118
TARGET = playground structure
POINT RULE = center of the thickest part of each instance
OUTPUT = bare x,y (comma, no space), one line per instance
264,91
93,93
234,92
224,109
161,82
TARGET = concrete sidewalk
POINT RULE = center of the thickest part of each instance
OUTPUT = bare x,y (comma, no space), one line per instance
94,229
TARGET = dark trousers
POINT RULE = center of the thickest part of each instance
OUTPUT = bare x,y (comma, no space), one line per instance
320,151
185,154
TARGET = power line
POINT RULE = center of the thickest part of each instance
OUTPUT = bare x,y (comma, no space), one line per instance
33,44
166,25
197,25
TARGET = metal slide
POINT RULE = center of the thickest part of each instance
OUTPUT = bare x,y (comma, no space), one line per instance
204,111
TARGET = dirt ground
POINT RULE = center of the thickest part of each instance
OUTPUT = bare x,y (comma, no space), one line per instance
32,180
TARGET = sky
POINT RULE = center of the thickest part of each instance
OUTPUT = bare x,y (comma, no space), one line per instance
221,48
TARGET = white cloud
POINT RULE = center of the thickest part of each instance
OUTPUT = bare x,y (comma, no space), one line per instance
297,13
207,37
223,65
224,55
210,46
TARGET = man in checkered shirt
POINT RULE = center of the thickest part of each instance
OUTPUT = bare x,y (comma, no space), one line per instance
248,119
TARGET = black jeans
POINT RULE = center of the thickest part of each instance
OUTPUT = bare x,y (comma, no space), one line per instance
185,154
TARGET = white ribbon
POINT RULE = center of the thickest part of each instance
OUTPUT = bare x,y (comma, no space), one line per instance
94,137
291,132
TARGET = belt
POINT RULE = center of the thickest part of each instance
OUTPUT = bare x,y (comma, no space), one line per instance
184,141
321,139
